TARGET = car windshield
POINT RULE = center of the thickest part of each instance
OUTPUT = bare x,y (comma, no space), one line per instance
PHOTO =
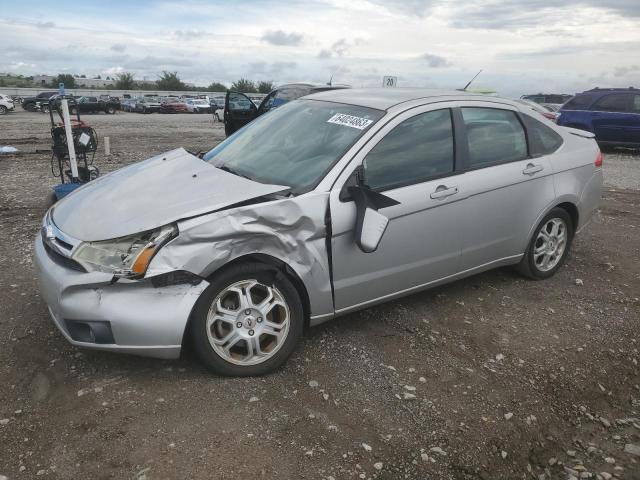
295,144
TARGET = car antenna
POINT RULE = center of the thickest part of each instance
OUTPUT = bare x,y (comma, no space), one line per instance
330,80
470,81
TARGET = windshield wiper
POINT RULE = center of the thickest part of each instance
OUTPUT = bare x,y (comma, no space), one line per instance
235,172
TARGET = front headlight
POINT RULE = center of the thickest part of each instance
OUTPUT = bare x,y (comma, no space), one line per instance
126,256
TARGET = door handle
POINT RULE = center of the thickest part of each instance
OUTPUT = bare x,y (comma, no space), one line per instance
443,191
531,169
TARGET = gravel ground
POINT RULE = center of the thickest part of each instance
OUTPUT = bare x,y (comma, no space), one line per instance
491,377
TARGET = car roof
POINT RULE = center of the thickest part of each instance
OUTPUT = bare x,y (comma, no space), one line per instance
386,98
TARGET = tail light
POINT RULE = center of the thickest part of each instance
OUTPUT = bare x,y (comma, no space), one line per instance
599,158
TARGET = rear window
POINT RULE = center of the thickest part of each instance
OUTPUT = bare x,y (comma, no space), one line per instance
542,139
579,102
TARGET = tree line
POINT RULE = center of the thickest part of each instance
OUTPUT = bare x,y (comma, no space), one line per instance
169,81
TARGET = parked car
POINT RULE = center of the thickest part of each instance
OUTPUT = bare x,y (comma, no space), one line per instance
147,104
198,105
93,105
239,109
612,114
559,98
327,205
128,105
543,110
6,104
30,104
173,105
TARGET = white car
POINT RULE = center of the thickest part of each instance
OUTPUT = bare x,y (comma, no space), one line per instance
198,105
6,104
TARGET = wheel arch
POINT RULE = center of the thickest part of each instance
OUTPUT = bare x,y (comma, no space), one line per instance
568,204
268,260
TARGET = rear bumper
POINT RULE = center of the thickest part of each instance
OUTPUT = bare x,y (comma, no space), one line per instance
140,318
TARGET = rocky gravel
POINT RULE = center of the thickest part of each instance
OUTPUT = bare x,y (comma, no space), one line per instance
491,377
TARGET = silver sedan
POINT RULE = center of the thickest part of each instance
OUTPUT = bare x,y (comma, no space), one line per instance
329,204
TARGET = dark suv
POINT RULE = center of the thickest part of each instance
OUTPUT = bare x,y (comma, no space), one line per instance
240,110
612,114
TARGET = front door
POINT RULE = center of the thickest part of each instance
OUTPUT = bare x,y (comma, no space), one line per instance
238,111
410,160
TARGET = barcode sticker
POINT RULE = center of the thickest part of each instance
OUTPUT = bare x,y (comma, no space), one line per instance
350,121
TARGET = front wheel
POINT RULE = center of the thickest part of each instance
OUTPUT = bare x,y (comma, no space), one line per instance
248,321
549,245
111,110
3,110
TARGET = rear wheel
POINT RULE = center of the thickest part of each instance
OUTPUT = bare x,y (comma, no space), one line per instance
549,245
111,110
3,110
248,321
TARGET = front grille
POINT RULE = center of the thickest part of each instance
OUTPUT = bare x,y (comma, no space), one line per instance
62,260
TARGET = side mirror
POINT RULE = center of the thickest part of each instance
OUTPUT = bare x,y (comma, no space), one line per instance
370,224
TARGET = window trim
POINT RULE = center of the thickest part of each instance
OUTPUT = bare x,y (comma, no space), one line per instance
467,167
421,179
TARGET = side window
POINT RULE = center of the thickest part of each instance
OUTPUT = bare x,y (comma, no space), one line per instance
613,103
494,136
267,104
542,139
417,149
579,102
635,107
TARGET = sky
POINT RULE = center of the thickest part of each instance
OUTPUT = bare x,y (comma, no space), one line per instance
523,46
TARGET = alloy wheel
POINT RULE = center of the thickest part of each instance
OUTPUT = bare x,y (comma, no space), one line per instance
550,244
248,322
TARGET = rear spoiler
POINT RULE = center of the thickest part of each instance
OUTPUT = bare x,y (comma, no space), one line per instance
580,133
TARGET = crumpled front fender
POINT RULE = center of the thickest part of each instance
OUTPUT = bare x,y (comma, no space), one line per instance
292,230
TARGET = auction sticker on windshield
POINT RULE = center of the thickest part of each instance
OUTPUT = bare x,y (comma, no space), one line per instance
350,121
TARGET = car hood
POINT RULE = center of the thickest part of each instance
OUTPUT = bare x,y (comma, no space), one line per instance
163,189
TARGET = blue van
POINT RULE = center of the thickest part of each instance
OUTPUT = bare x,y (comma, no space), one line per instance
612,114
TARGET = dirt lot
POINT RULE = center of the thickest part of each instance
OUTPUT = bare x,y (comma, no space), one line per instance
492,377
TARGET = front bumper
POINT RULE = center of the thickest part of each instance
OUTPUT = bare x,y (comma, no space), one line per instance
143,319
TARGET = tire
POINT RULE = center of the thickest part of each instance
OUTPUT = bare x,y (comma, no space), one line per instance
111,110
29,107
276,328
3,110
556,249
45,109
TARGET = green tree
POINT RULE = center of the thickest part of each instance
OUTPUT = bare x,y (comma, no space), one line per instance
216,87
265,87
125,81
170,81
66,78
243,85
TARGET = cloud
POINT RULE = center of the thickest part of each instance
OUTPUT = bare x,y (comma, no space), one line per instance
434,61
118,47
624,71
45,25
280,38
189,34
418,8
339,48
514,14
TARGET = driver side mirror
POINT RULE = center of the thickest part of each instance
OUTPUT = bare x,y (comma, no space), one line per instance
370,223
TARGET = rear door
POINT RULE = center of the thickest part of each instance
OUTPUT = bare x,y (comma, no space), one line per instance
507,184
611,118
238,111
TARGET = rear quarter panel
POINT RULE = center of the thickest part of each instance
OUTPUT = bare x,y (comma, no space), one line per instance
576,178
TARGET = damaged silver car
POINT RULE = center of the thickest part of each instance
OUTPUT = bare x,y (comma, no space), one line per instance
326,205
